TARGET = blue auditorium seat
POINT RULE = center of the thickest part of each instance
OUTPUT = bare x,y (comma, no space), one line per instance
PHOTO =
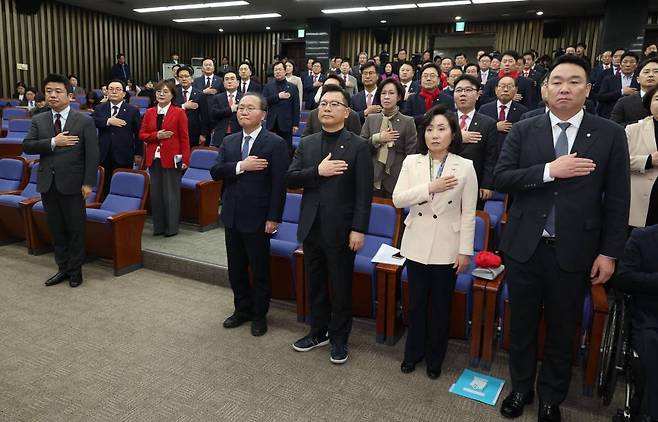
10,113
12,227
199,192
13,174
282,248
496,207
81,99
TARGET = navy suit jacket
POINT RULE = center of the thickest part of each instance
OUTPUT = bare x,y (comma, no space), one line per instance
118,72
197,120
415,105
251,198
283,113
638,275
217,83
221,116
525,87
310,90
532,113
513,115
485,152
610,92
122,143
600,76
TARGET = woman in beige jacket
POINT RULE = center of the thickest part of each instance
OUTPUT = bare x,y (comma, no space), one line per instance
643,149
295,80
441,189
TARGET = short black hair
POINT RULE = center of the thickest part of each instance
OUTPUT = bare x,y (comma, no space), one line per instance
294,66
622,49
485,55
431,65
630,54
398,88
402,49
571,60
123,84
460,54
529,53
334,88
58,79
72,75
475,65
512,53
405,62
471,79
652,59
39,97
340,80
648,96
581,44
437,57
185,67
120,55
316,61
279,63
448,58
367,65
516,82
263,101
440,110
234,72
248,65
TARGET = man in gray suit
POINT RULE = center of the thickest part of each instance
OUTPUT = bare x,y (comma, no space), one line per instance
350,81
67,143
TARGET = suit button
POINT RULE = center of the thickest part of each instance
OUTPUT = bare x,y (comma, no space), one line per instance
420,214
434,216
544,215
555,193
450,202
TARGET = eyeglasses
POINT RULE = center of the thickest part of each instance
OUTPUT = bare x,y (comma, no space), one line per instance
430,76
466,90
332,104
249,109
368,73
115,89
505,87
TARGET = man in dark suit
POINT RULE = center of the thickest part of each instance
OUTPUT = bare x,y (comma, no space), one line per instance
605,64
195,104
569,174
225,67
208,82
246,83
252,163
120,70
429,95
312,83
67,145
283,104
638,276
613,69
313,124
504,110
616,86
485,72
334,167
629,109
366,102
410,86
525,91
223,108
479,135
118,132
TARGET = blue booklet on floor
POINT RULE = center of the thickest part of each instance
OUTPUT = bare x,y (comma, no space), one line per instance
476,386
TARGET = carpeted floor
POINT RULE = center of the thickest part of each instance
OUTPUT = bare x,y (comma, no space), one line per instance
150,347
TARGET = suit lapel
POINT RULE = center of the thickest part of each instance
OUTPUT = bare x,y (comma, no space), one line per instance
259,143
585,137
341,145
545,135
70,121
474,126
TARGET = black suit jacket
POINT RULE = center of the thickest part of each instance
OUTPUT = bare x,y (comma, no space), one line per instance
122,143
525,87
254,86
310,90
541,109
628,110
610,92
341,202
513,115
121,72
591,212
598,77
251,198
221,116
197,120
69,167
415,105
484,153
638,275
313,125
283,114
216,82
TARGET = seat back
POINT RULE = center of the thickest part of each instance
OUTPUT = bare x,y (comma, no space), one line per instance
10,113
141,102
12,172
381,229
81,99
481,240
75,106
127,191
30,190
201,161
100,180
18,128
292,208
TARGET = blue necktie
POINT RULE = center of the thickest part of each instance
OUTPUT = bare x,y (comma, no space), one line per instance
245,147
561,148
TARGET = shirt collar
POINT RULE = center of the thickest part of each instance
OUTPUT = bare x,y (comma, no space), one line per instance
642,92
118,105
64,113
508,105
373,92
575,120
253,134
470,114
163,110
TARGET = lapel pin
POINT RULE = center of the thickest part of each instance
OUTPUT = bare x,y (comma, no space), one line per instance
342,146
588,135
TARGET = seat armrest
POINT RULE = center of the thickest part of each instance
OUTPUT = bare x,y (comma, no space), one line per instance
126,215
599,298
95,205
389,268
29,201
11,192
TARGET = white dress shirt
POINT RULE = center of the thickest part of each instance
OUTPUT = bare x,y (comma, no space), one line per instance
572,131
253,135
63,115
626,81
469,119
161,110
507,107
118,106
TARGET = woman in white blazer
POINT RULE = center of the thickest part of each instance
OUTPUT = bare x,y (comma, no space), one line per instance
441,189
295,80
643,149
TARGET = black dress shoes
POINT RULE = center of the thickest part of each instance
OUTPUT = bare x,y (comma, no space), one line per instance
433,373
75,280
407,367
258,327
57,278
514,403
235,320
549,412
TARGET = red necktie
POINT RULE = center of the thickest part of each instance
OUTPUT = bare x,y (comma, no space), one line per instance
230,104
462,121
185,95
58,124
315,78
208,82
501,115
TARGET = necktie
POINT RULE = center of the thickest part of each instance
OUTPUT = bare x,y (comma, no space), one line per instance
245,147
315,78
561,148
526,74
230,104
230,100
369,99
462,121
345,78
244,87
208,82
185,95
501,114
123,67
616,71
58,124
115,110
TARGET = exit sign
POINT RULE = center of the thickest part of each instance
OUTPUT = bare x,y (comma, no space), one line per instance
459,26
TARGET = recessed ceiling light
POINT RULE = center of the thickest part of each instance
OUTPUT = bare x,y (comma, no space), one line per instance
444,3
383,21
221,29
539,13
345,10
191,6
458,18
493,1
268,28
229,18
394,7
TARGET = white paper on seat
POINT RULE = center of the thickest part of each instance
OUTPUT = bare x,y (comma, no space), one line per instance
385,255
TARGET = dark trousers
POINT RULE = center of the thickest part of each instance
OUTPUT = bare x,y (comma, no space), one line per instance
540,281
66,217
165,198
110,164
249,251
287,136
427,335
329,271
645,343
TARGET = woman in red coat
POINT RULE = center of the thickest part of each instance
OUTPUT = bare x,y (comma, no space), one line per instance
164,129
